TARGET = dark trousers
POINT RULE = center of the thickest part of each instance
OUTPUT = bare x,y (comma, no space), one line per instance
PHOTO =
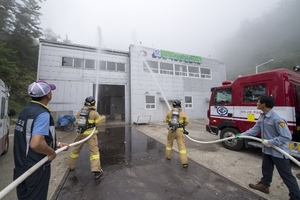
34,186
284,169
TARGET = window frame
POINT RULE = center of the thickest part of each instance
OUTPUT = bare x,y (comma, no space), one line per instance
205,75
111,66
154,69
254,97
188,105
224,100
150,105
163,69
180,72
194,74
87,61
63,60
3,104
79,61
121,66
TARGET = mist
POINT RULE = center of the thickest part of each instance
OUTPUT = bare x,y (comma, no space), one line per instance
192,27
273,36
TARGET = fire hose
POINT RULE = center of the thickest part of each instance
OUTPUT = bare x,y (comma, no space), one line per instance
247,137
21,178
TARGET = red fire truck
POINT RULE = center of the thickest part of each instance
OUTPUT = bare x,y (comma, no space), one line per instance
232,106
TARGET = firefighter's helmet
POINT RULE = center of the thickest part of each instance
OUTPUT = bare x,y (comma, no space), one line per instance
89,101
177,104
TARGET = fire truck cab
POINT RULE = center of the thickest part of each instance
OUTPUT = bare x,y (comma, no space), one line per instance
233,106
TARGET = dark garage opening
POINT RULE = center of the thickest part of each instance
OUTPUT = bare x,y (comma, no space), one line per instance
111,102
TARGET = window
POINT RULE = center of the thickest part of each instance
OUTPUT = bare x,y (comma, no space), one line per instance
102,65
166,68
121,67
90,64
67,61
253,92
78,62
153,65
111,66
150,102
193,71
223,96
205,73
2,107
297,90
180,70
188,102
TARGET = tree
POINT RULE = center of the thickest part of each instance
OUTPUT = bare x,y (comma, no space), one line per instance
18,47
50,35
66,40
8,62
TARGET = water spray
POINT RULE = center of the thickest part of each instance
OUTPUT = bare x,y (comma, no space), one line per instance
21,178
98,66
150,70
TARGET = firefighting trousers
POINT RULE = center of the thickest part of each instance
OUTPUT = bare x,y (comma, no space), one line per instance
92,144
179,137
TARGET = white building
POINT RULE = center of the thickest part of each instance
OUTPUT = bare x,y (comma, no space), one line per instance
133,86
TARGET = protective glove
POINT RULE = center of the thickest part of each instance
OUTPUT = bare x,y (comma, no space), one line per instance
237,136
266,143
185,132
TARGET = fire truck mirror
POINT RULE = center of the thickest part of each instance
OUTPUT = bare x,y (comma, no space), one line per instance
296,68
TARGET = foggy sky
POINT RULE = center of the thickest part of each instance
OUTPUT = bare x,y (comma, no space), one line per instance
193,27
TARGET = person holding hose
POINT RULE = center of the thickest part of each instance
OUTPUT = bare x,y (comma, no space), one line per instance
87,118
274,132
177,120
35,138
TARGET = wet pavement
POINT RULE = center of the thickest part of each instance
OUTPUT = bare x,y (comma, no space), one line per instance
135,168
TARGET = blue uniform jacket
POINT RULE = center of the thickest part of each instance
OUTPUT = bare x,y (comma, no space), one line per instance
275,130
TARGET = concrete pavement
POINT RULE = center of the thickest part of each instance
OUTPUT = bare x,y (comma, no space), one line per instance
240,167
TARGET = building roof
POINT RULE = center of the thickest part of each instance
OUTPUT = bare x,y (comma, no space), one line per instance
79,46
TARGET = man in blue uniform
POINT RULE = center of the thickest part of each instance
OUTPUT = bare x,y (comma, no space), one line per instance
35,138
274,132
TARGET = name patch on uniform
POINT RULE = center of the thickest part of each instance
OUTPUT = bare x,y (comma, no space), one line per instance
282,124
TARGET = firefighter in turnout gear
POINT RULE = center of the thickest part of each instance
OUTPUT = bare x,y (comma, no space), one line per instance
177,121
87,118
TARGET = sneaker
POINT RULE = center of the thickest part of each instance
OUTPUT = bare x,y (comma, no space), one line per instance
261,187
168,158
184,165
98,174
72,169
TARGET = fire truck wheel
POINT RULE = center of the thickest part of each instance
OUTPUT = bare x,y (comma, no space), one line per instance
235,145
6,146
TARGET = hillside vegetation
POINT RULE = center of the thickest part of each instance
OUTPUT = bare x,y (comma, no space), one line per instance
276,35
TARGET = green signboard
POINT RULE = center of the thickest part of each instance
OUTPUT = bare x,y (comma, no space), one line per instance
180,57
